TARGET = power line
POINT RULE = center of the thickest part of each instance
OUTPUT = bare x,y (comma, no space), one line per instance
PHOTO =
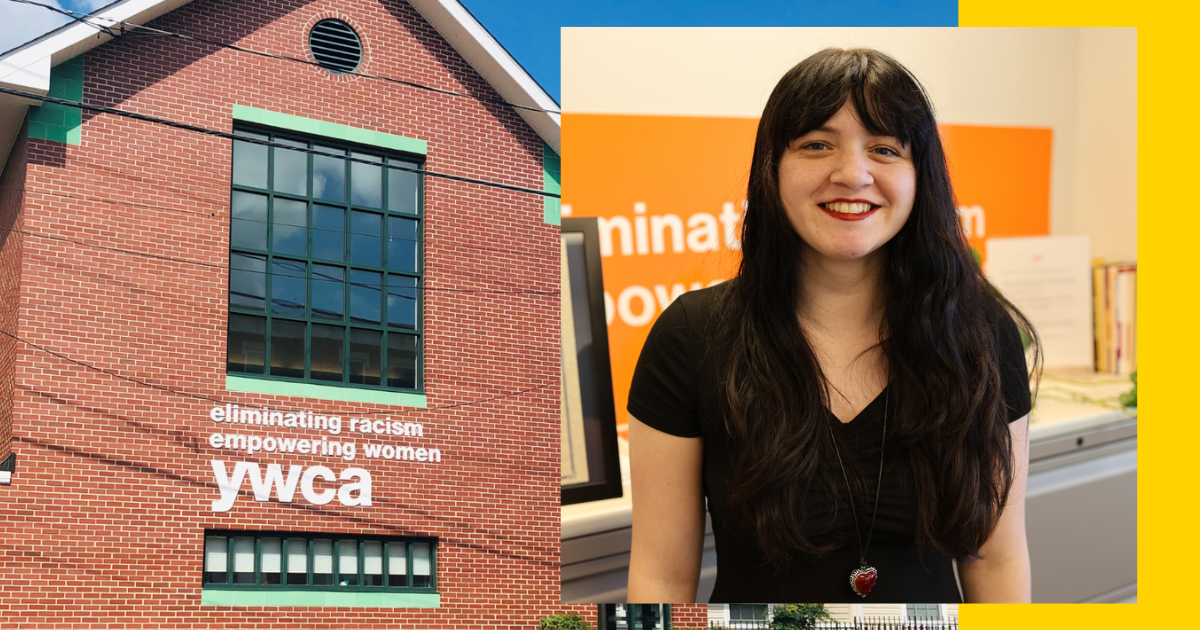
226,268
70,14
163,388
267,143
147,206
413,84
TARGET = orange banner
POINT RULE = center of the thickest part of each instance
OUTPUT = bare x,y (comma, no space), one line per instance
1001,178
669,192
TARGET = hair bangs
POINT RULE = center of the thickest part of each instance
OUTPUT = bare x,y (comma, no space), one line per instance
887,99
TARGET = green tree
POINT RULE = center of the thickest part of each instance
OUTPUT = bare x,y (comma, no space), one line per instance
797,616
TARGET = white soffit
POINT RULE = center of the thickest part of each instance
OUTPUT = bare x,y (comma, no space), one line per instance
27,68
494,64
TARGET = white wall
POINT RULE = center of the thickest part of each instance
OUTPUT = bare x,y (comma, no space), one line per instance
1080,82
1106,153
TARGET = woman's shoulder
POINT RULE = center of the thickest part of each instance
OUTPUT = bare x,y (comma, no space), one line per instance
1004,326
669,379
695,310
701,304
1011,344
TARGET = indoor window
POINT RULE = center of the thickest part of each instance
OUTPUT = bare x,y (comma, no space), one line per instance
325,264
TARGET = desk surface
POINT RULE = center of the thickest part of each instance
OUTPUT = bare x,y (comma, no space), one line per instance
1068,400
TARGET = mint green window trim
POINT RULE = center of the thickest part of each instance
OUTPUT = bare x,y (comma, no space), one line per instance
313,127
314,599
551,182
59,123
386,330
256,385
225,587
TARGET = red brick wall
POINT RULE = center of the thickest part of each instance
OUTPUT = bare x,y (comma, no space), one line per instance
689,616
104,521
12,194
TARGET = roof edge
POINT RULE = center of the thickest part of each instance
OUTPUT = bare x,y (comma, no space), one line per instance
28,66
477,46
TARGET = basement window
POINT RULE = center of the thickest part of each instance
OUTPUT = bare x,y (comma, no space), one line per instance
320,562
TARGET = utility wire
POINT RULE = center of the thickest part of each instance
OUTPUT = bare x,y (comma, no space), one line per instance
267,143
373,211
210,42
226,267
163,388
71,14
146,206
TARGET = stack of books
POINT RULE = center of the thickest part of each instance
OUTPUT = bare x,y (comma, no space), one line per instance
1114,289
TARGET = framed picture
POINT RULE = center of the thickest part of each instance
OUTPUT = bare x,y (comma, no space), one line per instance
591,468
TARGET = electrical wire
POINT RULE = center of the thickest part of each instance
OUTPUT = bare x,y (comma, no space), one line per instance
146,206
267,143
70,14
210,132
210,42
376,212
162,388
227,268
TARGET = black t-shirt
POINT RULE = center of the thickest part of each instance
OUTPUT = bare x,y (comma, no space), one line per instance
675,390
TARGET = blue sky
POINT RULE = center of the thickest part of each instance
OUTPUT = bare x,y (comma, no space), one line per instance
20,23
529,29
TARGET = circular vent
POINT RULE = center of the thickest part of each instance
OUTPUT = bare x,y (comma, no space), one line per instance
335,46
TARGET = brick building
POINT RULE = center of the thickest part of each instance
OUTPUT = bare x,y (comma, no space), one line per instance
284,380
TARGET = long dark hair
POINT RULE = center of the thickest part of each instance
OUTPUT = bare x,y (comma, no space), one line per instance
948,416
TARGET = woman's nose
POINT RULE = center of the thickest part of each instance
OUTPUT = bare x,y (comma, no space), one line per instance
852,171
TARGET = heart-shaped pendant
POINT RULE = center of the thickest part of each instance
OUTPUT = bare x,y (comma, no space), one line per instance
862,580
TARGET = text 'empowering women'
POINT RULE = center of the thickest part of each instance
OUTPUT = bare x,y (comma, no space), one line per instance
337,441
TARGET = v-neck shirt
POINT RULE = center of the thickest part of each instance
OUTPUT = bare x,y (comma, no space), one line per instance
675,390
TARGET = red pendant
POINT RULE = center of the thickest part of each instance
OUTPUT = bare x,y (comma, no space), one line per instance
862,580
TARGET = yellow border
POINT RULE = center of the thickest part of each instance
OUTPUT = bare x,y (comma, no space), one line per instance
1168,301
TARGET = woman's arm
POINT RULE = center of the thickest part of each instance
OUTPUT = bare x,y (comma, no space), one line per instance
668,515
1002,574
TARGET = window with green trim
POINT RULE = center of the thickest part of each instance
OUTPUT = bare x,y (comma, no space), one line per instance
281,561
325,264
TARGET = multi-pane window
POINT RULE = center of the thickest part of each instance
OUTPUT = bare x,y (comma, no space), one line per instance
325,264
319,562
745,612
634,616
923,611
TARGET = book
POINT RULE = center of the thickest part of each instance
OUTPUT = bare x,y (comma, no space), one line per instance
1114,287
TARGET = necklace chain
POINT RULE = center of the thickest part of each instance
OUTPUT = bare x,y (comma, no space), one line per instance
862,549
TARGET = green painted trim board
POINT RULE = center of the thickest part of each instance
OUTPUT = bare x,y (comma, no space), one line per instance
230,597
551,182
336,131
323,392
59,123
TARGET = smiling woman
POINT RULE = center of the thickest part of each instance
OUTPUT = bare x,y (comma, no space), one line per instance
853,406
844,172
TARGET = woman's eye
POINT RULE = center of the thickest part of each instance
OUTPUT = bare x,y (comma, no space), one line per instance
815,146
887,151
